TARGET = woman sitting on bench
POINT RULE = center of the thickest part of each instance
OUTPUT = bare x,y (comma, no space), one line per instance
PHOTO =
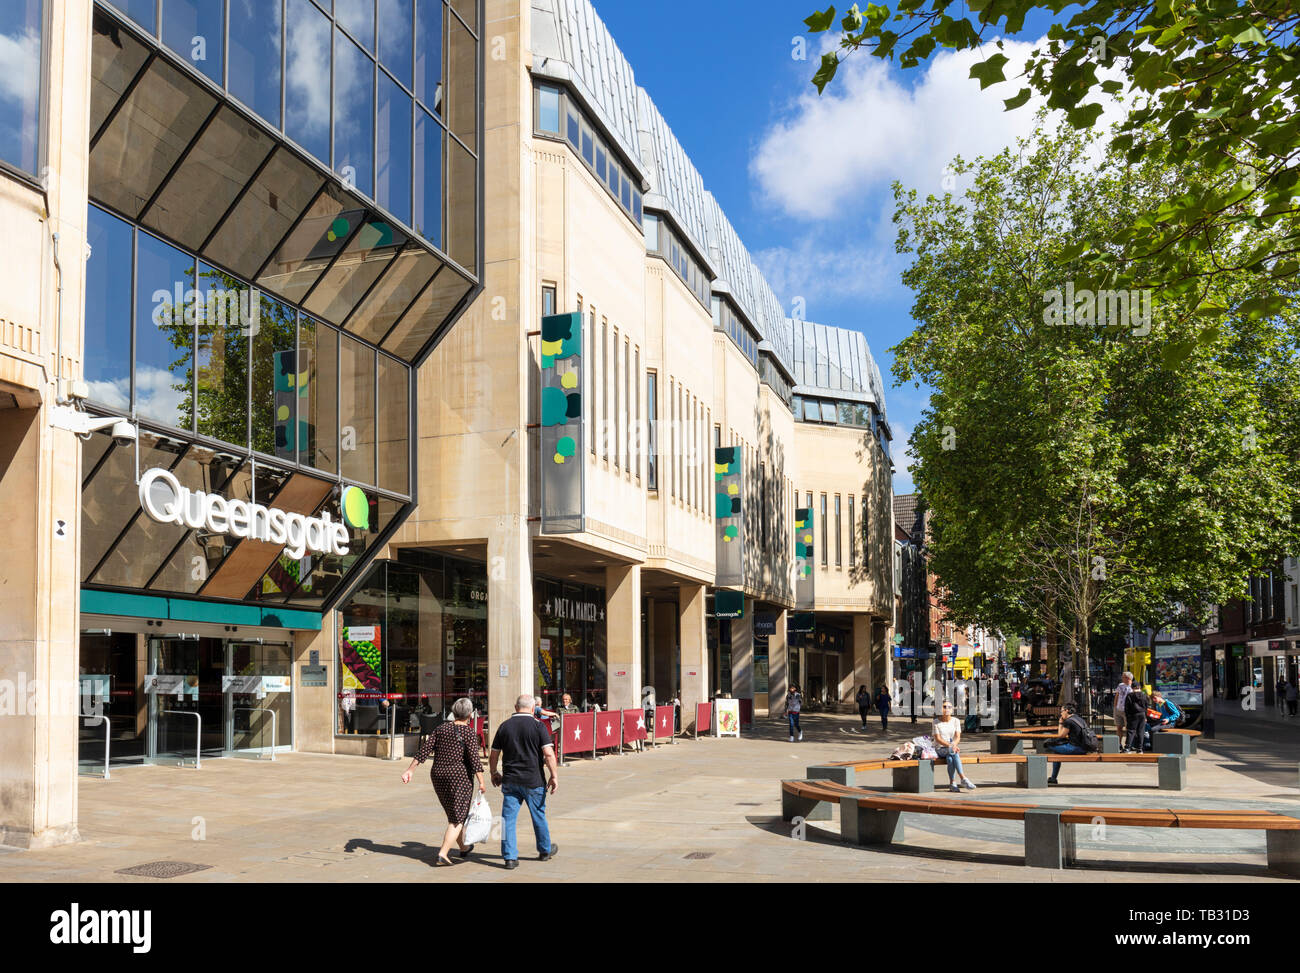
947,734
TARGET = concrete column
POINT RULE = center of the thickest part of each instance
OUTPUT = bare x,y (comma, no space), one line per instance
315,708
862,674
512,641
695,649
778,672
664,670
742,654
623,634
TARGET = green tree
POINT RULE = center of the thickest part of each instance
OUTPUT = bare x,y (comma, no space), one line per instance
1212,83
1101,463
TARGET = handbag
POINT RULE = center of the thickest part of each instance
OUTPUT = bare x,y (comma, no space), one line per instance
479,823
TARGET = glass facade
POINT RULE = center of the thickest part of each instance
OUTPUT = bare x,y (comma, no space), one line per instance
571,645
663,241
218,358
22,33
350,96
726,319
413,640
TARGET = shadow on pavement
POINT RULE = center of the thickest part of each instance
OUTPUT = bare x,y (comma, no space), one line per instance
418,851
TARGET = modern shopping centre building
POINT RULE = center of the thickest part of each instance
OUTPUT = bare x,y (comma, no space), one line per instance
358,357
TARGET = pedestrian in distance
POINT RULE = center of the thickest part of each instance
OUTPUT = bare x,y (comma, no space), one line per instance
454,748
793,704
1279,693
883,706
947,737
1076,736
911,694
1292,697
1121,713
523,748
864,705
1136,705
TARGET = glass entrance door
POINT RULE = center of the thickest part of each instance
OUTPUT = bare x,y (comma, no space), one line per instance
257,698
172,689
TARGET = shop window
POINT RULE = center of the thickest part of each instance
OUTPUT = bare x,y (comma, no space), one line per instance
357,411
652,439
221,355
394,426
275,393
108,310
354,129
548,110
318,404
307,117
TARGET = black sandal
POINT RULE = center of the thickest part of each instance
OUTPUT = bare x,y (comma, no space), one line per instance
465,851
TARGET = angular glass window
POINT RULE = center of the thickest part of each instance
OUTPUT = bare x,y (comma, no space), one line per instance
142,12
224,314
198,194
428,53
201,554
468,10
393,166
828,412
21,26
357,411
354,123
145,138
395,37
357,17
115,57
164,333
462,206
358,266
307,78
427,315
428,178
263,216
548,109
588,146
462,82
277,382
255,56
811,410
405,277
394,426
108,310
600,162
636,206
318,409
573,129
195,29
319,235
626,190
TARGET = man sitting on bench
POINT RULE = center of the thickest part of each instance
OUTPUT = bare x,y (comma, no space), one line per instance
1078,736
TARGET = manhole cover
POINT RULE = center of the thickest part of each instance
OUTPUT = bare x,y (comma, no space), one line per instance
162,869
696,855
749,804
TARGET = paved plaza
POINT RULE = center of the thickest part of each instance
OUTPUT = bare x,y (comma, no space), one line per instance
706,811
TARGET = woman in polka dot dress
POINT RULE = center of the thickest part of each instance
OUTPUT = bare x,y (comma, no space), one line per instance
454,747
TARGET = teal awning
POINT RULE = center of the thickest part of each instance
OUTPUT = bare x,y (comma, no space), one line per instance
96,602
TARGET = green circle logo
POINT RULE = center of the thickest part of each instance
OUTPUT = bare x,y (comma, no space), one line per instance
356,508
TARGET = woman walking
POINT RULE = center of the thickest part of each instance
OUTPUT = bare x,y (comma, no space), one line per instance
883,706
864,705
793,704
947,734
455,751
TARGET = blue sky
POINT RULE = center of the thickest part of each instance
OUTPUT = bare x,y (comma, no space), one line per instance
805,180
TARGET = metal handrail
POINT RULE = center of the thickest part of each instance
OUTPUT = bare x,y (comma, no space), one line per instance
107,736
198,740
261,709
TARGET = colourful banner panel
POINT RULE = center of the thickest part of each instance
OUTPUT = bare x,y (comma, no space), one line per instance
577,733
804,597
634,727
703,717
664,718
728,479
561,411
609,730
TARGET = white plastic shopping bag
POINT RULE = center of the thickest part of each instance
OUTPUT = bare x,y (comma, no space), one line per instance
479,824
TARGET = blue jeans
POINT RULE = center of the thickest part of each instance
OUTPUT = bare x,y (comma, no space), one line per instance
884,721
1064,748
954,764
535,798
794,723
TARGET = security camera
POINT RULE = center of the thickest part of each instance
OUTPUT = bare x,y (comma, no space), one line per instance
123,433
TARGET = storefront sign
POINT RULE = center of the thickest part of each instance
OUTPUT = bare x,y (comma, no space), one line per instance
561,410
804,596
312,676
800,622
275,684
765,624
165,685
164,499
728,478
569,610
727,722
728,604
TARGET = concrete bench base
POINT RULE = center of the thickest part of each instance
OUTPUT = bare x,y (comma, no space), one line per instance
866,826
807,808
1177,743
915,780
1172,771
1048,842
1284,851
1033,772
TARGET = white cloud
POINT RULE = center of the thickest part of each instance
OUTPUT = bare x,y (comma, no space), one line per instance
159,394
20,67
826,152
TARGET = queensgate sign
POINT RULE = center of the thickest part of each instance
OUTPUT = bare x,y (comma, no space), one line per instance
164,499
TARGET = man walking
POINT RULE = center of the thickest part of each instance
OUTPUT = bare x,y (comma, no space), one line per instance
526,746
1121,694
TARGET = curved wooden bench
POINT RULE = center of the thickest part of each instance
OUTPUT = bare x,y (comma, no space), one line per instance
917,776
1013,741
873,819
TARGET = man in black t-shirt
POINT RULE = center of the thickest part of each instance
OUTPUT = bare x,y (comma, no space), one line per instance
1071,729
526,748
